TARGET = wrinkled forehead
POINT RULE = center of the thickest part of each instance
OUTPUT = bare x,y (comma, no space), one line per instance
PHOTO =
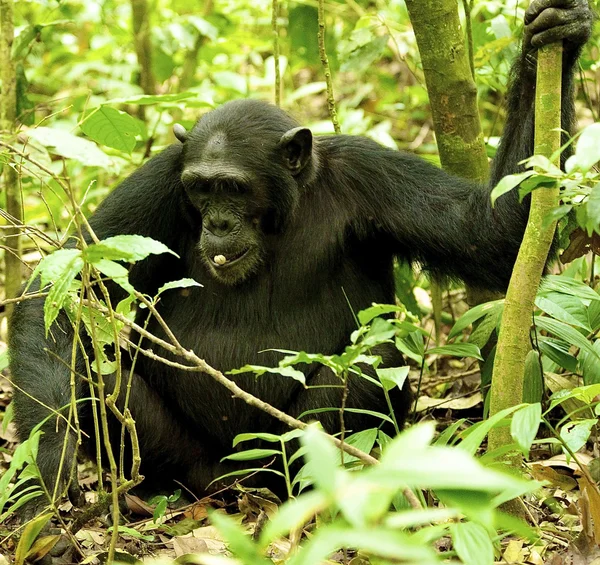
215,155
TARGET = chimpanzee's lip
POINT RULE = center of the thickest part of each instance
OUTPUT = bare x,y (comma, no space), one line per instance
231,259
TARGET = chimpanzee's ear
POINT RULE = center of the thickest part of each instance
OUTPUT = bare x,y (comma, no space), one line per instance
296,147
179,132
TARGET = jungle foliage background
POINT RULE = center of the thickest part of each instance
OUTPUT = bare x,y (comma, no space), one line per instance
99,86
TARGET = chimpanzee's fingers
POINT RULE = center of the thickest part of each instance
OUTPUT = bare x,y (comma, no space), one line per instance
538,6
574,32
552,18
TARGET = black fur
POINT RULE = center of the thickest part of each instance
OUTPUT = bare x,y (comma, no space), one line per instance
321,221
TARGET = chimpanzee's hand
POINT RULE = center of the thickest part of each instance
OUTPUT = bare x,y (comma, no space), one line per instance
548,21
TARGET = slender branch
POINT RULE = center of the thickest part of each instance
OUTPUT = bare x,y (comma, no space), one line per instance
325,62
274,18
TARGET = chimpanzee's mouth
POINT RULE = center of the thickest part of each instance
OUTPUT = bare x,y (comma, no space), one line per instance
224,261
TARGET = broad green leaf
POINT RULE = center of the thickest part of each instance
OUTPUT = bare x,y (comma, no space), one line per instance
360,57
533,383
321,460
483,330
28,537
378,415
472,543
593,205
566,308
543,164
457,350
116,272
292,515
390,544
240,543
252,454
558,351
566,333
475,435
111,127
536,181
423,517
259,370
363,440
181,283
380,332
250,436
128,248
568,286
368,314
53,266
392,377
587,151
60,289
590,367
508,183
576,434
65,144
474,314
524,426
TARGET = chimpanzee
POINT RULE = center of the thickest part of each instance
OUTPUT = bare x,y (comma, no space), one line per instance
289,235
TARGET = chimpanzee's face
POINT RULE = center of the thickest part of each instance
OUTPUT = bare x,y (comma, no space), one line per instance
231,239
243,171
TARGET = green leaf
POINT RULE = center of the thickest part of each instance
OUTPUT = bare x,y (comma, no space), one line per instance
590,367
576,434
525,424
557,351
593,205
259,370
566,333
53,266
567,286
474,436
363,440
533,383
321,460
587,151
240,543
390,544
472,315
360,57
392,377
376,310
116,272
457,350
272,438
128,248
292,515
60,289
111,127
252,454
566,308
472,543
67,145
378,415
30,533
508,183
181,283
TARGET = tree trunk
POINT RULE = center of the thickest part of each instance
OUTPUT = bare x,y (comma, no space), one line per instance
514,342
452,91
8,116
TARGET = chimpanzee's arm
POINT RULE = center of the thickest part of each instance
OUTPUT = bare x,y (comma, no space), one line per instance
546,21
445,222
